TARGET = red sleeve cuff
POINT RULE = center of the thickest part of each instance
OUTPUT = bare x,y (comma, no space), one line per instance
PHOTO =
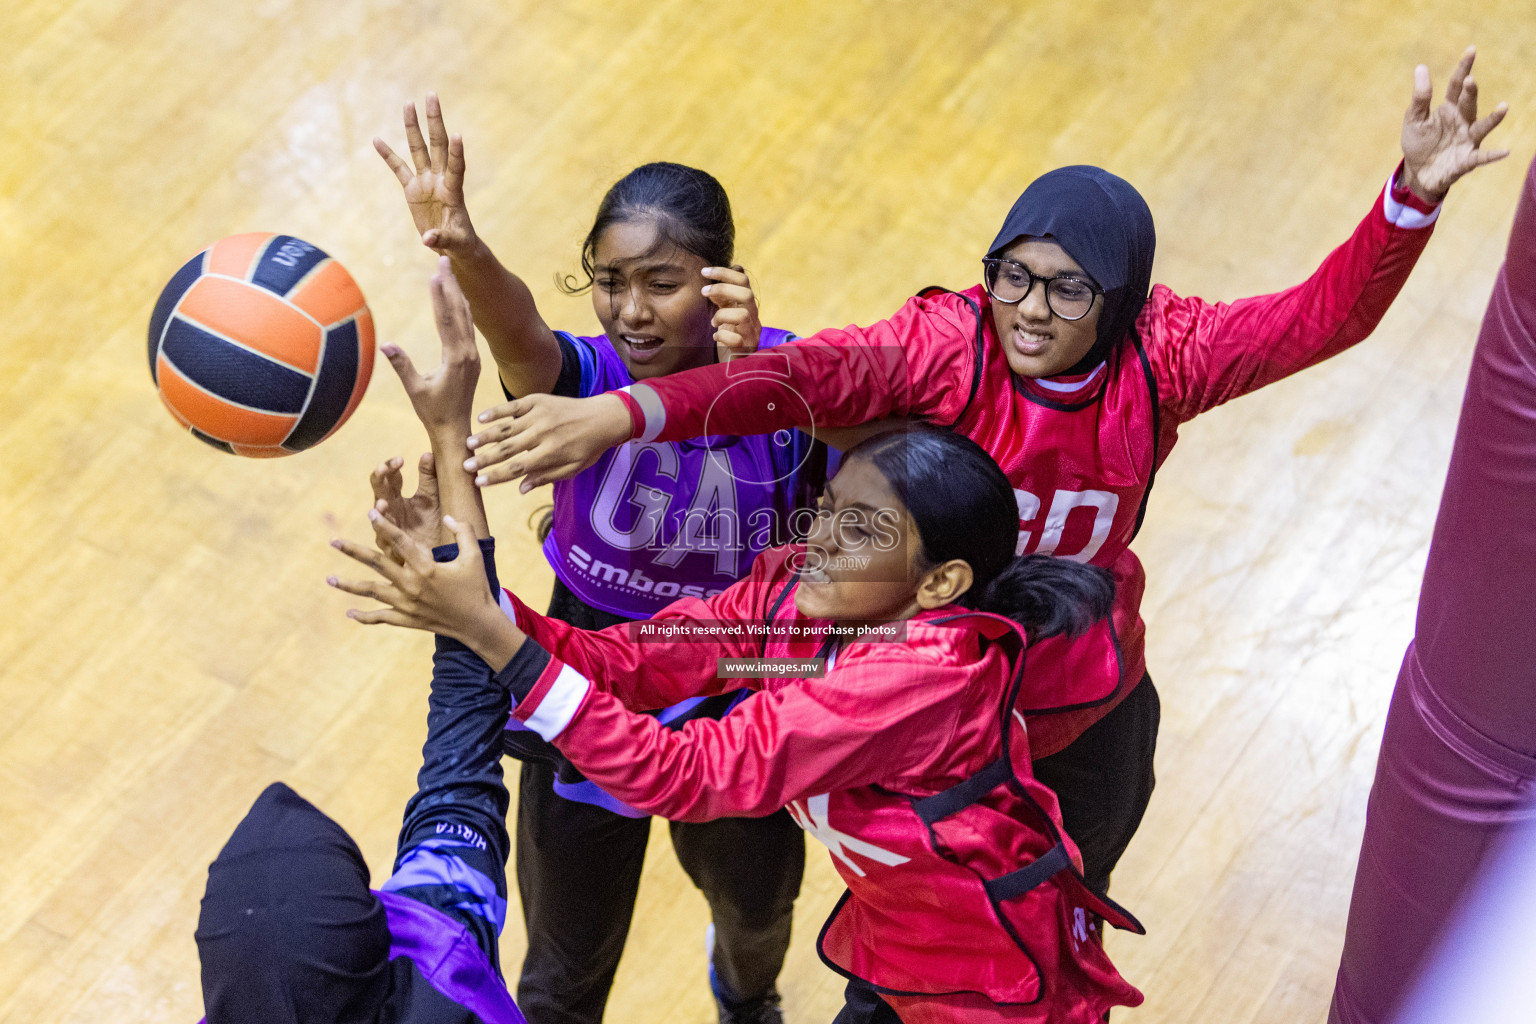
1405,196
547,693
1402,209
636,414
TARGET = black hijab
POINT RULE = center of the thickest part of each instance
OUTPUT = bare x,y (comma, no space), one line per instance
1103,223
289,931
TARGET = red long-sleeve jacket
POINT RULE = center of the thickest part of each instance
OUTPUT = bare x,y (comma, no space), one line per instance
913,716
1080,452
975,912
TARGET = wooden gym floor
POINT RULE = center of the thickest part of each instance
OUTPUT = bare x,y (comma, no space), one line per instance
168,646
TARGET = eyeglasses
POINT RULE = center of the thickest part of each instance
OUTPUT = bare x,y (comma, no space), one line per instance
1010,283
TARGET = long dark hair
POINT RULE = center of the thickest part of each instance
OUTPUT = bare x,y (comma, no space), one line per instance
964,508
689,207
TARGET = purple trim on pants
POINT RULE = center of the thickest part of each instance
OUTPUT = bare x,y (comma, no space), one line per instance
588,792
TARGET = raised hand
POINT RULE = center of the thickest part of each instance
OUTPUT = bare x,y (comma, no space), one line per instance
737,327
434,190
1440,144
450,598
444,398
418,516
543,438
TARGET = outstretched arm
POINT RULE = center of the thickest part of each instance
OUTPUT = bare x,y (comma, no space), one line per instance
899,367
453,846
1206,353
675,654
523,346
866,723
862,726
674,660
442,401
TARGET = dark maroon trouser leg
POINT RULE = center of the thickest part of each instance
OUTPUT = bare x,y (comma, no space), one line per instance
1458,760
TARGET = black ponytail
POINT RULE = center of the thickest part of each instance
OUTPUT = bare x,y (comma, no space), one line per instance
1049,596
689,207
964,508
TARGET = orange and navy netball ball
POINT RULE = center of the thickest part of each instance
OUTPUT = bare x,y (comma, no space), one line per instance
261,345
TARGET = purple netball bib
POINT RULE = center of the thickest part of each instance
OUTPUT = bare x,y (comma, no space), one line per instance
652,522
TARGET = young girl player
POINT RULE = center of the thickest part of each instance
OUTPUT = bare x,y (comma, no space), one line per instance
908,757
1064,369
642,526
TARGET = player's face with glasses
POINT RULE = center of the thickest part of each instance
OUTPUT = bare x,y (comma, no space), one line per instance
1044,306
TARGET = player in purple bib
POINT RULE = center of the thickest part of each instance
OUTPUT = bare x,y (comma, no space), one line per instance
649,523
645,525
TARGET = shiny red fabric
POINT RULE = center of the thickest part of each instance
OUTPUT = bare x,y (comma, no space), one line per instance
888,722
1080,455
1458,759
914,717
918,922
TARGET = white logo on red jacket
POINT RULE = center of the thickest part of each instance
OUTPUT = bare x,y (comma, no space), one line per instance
812,816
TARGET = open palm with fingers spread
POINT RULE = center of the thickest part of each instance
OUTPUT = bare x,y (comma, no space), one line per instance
445,397
1440,144
544,438
418,592
434,190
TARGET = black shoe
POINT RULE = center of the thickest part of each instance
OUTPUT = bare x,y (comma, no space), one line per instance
763,1010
